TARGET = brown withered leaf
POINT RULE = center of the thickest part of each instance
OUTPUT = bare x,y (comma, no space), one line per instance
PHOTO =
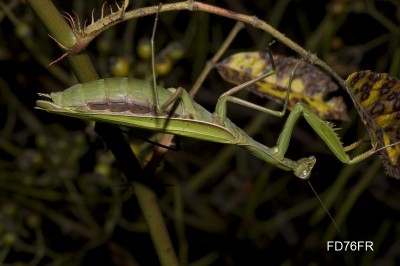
378,98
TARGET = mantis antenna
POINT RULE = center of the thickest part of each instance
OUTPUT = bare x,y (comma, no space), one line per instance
178,91
156,100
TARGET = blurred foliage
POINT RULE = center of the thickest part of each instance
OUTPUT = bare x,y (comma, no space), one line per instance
63,200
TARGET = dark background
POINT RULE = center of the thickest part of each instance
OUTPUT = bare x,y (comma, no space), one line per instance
60,189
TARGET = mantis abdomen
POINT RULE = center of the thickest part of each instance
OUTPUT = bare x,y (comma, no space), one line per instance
129,102
115,95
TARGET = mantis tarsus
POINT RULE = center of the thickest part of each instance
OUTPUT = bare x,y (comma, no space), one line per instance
136,103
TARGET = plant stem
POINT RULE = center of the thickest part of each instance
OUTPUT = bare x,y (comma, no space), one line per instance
151,211
61,31
85,71
210,64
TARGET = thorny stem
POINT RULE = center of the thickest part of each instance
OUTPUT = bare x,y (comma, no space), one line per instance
59,29
93,30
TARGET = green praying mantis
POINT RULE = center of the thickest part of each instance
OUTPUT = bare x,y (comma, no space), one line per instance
137,103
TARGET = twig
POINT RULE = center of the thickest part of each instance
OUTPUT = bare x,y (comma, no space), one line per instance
215,58
93,30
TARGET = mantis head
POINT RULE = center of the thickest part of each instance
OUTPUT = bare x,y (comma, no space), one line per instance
305,165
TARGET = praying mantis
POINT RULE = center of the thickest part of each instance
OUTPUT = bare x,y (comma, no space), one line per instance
137,103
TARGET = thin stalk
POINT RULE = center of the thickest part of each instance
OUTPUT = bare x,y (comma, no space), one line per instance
151,211
210,64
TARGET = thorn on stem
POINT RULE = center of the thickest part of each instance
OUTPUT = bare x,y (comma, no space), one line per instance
70,19
93,15
79,46
54,39
102,10
58,59
77,21
116,3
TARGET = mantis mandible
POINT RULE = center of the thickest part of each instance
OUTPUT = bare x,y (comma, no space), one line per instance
136,103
